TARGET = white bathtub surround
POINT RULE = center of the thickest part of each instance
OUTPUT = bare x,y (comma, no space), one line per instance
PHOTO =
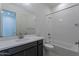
5,44
65,45
64,31
59,51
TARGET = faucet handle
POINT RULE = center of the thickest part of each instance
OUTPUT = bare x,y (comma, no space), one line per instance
77,43
49,34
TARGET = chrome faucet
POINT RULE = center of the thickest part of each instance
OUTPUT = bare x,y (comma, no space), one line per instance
49,37
77,43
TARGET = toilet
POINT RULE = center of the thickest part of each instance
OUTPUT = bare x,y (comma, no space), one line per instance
48,46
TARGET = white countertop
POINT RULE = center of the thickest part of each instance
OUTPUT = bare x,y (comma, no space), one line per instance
13,42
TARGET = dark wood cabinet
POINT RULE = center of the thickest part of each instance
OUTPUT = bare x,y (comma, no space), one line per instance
40,50
21,53
30,49
31,52
40,47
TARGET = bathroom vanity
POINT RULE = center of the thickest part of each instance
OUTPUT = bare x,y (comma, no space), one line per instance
30,46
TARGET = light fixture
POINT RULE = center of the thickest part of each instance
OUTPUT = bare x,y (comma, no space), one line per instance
61,6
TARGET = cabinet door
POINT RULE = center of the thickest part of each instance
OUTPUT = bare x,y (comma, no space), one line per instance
31,51
40,50
19,54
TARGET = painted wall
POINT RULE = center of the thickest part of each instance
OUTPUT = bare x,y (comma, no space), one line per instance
42,25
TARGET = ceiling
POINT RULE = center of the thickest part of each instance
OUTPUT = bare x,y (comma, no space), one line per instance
38,7
34,8
51,5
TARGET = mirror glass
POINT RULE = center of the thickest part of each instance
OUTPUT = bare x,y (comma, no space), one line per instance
8,23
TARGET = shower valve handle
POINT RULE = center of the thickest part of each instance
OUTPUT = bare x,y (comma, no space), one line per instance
77,43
